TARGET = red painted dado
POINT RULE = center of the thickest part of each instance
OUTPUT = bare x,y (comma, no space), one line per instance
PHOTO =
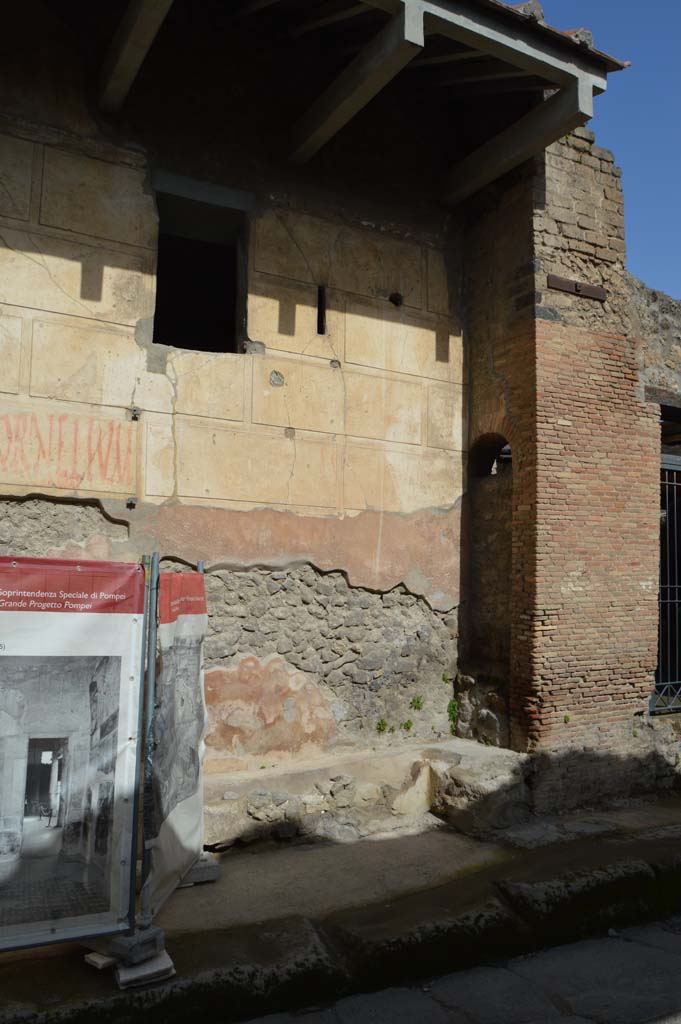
377,549
264,706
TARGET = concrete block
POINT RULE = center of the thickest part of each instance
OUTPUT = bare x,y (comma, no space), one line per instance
143,944
100,961
157,969
95,197
10,352
16,158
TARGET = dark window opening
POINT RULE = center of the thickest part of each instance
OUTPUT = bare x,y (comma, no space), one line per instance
200,302
666,696
670,422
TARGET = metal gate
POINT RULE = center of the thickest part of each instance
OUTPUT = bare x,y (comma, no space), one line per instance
667,693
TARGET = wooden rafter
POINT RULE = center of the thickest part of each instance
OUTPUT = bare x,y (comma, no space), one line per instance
129,47
548,121
482,71
373,67
329,17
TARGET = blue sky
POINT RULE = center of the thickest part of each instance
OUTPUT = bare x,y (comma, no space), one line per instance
639,118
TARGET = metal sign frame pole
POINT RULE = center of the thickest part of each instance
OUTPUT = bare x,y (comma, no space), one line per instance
146,562
148,796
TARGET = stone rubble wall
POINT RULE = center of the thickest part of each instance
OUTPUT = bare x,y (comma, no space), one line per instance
40,528
659,333
298,659
579,233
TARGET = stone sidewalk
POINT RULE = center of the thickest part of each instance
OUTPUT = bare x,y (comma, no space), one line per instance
316,880
633,977
293,926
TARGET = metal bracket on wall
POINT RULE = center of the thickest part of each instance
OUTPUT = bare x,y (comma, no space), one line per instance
585,291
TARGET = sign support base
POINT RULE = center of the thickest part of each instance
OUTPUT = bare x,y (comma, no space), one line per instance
130,950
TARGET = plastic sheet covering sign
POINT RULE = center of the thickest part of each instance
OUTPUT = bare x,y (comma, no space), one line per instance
71,636
179,726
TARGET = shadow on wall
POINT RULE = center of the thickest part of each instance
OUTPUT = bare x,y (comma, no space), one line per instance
483,684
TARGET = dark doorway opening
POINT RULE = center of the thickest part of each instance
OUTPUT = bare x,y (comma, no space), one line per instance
45,778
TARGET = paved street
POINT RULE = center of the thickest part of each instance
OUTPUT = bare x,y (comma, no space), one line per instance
628,978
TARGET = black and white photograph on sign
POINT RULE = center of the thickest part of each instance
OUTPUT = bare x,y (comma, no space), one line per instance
58,747
179,723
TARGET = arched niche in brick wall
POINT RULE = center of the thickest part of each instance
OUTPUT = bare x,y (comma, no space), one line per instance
490,494
491,454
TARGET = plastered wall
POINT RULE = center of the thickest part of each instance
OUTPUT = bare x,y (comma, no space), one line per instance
365,417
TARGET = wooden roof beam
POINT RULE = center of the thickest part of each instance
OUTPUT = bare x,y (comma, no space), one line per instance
371,70
329,18
455,57
483,71
469,91
252,7
129,47
550,120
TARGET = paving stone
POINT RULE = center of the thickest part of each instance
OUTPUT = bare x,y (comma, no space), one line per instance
314,1017
494,995
607,980
655,936
395,1006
